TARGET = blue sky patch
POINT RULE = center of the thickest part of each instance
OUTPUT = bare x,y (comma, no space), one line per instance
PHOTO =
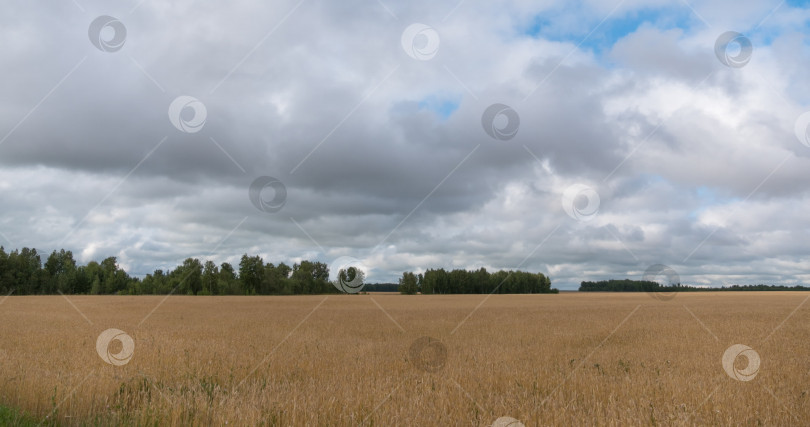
804,4
610,31
443,106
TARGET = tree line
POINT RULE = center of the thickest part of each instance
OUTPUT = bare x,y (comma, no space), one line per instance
627,285
475,282
23,273
381,287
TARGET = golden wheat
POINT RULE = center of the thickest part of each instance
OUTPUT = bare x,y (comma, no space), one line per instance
568,359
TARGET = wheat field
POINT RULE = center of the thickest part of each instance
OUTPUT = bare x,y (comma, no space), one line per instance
567,359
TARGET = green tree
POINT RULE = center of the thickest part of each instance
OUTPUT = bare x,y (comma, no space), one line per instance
303,277
408,284
28,276
251,272
95,287
190,277
109,269
228,284
61,272
210,279
6,274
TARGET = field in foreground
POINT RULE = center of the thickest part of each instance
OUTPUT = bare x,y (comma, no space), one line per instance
568,359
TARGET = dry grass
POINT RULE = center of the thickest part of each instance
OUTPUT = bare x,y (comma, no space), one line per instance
568,359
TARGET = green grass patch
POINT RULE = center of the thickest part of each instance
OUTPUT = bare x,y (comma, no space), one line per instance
13,417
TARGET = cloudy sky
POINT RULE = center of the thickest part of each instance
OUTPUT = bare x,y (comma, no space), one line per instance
624,134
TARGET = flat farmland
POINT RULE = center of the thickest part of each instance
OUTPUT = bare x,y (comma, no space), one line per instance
567,359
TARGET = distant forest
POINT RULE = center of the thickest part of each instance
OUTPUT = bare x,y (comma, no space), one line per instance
22,272
628,285
475,282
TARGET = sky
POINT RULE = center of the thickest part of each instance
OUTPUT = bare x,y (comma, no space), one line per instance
586,140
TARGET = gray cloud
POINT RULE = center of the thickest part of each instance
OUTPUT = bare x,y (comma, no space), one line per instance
323,98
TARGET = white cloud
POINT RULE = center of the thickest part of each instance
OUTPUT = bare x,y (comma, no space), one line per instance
647,123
